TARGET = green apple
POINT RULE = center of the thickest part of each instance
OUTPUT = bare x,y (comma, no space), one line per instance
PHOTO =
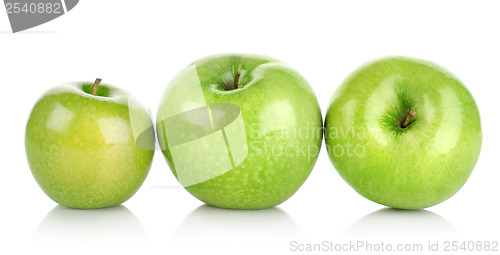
89,146
403,132
240,131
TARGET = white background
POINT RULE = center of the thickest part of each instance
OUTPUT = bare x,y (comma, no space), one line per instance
141,45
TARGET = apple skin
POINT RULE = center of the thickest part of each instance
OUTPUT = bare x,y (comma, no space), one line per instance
412,168
82,148
269,162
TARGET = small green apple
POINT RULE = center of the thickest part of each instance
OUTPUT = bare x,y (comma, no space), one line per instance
240,131
89,146
403,132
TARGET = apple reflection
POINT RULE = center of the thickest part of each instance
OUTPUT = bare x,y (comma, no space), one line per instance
391,223
113,224
215,224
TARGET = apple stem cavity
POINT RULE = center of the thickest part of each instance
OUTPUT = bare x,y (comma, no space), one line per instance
96,84
236,79
409,119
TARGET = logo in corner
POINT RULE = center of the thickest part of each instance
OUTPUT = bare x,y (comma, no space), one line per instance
25,14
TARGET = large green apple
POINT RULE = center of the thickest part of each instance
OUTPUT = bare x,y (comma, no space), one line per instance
89,150
403,132
240,131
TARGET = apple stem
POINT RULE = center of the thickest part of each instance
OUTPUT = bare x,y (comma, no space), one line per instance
236,79
96,84
409,119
